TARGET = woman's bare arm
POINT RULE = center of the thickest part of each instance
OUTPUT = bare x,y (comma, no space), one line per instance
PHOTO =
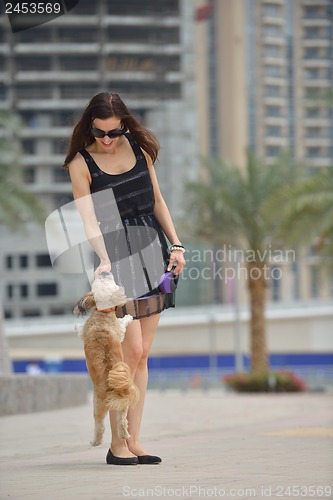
163,216
80,178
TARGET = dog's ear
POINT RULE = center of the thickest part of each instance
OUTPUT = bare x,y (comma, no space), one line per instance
84,305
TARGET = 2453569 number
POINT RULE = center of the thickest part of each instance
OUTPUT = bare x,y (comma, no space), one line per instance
303,491
32,8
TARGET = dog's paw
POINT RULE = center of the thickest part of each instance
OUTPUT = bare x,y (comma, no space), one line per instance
96,442
124,322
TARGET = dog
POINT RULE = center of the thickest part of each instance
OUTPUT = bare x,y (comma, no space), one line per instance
102,335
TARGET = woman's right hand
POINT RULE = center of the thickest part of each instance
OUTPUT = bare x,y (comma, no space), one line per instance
104,267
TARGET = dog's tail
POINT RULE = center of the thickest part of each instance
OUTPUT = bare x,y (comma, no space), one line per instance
84,305
123,390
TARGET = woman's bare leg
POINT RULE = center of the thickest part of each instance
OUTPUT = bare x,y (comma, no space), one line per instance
148,329
132,352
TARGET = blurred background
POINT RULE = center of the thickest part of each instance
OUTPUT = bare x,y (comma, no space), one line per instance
212,79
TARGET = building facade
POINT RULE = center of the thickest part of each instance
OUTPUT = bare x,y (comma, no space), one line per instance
48,74
267,85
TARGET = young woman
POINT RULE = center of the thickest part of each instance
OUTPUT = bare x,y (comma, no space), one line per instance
111,152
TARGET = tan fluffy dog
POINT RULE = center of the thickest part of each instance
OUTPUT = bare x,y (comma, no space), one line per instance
102,335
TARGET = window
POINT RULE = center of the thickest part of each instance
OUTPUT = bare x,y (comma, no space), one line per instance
23,259
24,290
34,63
46,289
59,146
272,91
60,175
34,91
311,32
31,313
273,131
272,30
312,73
272,10
10,291
43,260
273,111
57,311
272,150
311,52
62,199
3,93
78,35
29,146
63,118
312,112
29,175
78,63
314,132
273,70
272,51
9,262
313,152
40,35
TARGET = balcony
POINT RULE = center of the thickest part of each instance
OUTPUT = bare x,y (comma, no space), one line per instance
316,141
275,100
157,20
56,76
315,63
273,40
57,48
316,3
36,160
275,120
319,121
276,141
274,80
317,83
319,161
271,60
47,132
316,21
75,103
142,48
317,42
271,19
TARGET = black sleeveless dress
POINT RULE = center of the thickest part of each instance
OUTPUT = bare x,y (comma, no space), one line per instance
134,240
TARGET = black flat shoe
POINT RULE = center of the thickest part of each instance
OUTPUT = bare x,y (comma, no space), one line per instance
111,459
149,459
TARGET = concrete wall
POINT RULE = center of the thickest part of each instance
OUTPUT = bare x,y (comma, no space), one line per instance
187,330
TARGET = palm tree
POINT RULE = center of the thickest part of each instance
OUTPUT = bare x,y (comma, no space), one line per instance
17,205
229,207
310,202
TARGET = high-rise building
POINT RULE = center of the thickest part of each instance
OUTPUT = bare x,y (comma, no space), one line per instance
289,55
141,50
265,75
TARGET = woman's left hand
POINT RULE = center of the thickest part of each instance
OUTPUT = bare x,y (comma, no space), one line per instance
177,256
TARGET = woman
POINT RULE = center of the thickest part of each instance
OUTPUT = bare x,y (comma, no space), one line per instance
110,150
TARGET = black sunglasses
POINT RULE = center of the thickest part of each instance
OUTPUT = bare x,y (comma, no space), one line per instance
117,132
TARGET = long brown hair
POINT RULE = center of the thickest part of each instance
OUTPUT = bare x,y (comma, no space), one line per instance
107,105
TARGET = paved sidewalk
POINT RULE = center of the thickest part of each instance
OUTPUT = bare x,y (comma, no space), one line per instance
213,444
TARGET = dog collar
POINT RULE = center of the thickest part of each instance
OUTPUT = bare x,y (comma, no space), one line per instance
112,309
